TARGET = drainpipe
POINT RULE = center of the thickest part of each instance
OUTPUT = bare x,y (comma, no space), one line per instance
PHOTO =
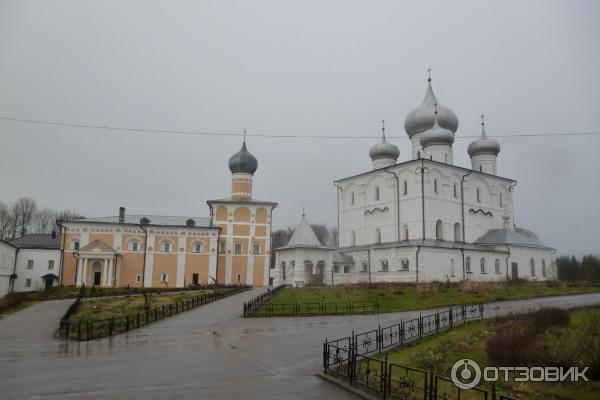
423,197
397,198
270,245
76,257
507,257
14,274
510,189
145,251
218,243
369,264
63,231
114,282
337,205
417,261
462,211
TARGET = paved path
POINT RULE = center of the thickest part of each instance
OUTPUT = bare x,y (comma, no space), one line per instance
209,352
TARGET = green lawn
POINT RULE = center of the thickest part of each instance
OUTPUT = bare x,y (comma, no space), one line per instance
115,307
403,298
439,352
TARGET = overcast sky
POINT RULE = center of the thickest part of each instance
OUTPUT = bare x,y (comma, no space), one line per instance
294,68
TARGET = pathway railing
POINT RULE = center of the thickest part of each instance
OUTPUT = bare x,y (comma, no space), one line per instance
262,306
354,358
85,329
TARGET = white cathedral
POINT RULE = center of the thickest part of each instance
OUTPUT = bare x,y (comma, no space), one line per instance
421,220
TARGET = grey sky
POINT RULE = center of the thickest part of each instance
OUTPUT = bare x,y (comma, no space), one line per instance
304,68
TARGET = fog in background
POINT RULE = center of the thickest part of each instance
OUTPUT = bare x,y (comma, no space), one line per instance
294,68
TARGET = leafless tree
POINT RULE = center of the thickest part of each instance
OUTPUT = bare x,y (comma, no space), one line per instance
23,211
322,233
43,221
5,221
64,215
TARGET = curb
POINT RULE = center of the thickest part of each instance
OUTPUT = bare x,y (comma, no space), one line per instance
346,386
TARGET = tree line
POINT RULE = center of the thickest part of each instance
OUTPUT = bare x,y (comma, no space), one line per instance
22,217
572,269
327,237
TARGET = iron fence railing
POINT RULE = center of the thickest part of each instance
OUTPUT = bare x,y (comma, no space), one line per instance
85,329
354,359
263,306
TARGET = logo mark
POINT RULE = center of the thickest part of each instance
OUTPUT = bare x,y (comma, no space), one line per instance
466,373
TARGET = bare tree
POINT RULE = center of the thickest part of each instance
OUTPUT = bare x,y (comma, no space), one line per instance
322,233
43,221
23,211
64,215
334,241
5,221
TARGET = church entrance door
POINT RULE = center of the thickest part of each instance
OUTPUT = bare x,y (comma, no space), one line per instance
515,271
97,271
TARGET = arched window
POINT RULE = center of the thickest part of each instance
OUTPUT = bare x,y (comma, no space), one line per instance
376,192
292,265
468,264
283,270
384,265
353,238
532,265
283,265
483,266
365,266
435,186
497,266
457,232
336,269
405,232
166,246
74,244
133,245
351,198
501,202
418,154
404,187
478,195
455,190
198,247
439,230
543,268
378,236
480,168
452,268
346,269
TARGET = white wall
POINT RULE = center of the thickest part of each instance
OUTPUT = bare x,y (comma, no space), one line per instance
40,259
7,259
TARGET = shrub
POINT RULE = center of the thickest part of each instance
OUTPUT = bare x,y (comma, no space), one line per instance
11,300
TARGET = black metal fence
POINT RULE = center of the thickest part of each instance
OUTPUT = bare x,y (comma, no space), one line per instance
92,329
262,306
352,358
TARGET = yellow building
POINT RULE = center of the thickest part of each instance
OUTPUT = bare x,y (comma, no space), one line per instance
232,246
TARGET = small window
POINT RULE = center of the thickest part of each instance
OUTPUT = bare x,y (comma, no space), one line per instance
29,264
376,192
405,187
384,266
256,249
468,264
353,238
532,265
239,278
197,248
500,201
404,264
164,277
543,268
28,282
435,186
75,244
364,266
455,190
483,266
478,195
50,264
165,247
439,230
497,266
346,269
405,232
480,168
378,236
452,268
138,277
351,198
222,246
418,154
134,245
336,269
237,248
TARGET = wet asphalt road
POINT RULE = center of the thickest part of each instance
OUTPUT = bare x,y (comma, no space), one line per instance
209,352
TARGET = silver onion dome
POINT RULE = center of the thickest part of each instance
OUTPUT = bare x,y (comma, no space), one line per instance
384,149
483,145
437,135
243,162
421,118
